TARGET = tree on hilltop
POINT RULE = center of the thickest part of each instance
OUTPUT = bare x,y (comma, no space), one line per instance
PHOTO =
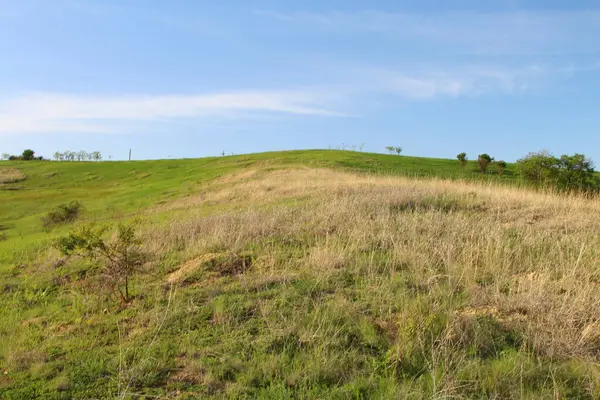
484,160
462,157
394,149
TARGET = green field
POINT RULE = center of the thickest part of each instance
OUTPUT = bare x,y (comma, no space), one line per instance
301,274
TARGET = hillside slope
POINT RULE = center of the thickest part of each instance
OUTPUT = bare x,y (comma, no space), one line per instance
110,190
271,276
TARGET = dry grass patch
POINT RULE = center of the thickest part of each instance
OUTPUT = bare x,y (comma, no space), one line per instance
11,175
505,249
188,268
222,264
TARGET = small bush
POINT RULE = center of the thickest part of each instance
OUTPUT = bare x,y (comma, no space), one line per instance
122,255
484,160
501,167
462,157
62,214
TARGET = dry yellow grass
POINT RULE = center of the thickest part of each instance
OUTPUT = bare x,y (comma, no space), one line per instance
11,175
529,260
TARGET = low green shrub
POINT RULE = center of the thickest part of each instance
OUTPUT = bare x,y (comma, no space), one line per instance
62,214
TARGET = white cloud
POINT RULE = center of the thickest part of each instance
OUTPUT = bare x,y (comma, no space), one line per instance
44,112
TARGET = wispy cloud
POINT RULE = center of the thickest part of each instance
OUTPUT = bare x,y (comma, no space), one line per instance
47,112
69,113
525,32
471,81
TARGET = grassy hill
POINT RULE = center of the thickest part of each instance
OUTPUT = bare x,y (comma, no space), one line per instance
305,274
111,190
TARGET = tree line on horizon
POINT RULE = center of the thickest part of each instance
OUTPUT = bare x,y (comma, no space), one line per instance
567,172
68,155
82,155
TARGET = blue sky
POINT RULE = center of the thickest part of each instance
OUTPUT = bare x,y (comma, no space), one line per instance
191,78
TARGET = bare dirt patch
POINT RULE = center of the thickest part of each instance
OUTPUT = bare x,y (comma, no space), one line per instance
190,267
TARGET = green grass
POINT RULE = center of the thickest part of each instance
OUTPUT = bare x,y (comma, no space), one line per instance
280,331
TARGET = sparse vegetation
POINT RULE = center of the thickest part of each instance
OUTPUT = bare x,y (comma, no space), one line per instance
297,275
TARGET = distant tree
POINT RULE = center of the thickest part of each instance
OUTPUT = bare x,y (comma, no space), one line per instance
501,167
58,156
576,172
462,157
81,155
5,156
28,155
96,156
539,168
484,160
394,149
69,155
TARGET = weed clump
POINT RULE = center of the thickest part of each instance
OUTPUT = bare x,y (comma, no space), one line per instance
62,214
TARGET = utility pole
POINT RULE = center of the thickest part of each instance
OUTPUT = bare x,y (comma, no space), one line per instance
129,154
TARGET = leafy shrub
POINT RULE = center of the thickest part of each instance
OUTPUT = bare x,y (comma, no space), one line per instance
28,155
122,255
501,167
540,168
462,157
484,160
574,172
62,214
